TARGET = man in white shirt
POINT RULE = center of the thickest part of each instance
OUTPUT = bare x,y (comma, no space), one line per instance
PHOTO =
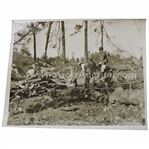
86,72
31,72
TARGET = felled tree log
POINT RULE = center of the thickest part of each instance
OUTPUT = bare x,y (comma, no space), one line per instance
67,109
34,80
43,83
60,86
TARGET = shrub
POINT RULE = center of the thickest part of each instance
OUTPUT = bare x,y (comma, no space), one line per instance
23,61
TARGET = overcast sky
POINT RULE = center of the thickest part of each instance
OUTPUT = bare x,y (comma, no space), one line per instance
126,34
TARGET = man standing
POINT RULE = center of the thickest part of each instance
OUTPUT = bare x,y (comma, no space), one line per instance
86,73
103,60
92,66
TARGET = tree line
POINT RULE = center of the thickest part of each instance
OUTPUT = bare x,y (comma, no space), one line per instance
57,39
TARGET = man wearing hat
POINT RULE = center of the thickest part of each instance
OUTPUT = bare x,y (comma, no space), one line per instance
103,59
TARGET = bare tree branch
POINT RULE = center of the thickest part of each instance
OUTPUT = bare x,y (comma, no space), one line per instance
109,38
137,27
22,37
30,32
77,28
121,50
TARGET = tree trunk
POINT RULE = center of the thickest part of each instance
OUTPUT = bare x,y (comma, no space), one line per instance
34,39
63,42
101,33
47,38
58,40
85,42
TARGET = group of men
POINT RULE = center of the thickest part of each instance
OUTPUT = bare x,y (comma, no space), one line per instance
90,69
29,74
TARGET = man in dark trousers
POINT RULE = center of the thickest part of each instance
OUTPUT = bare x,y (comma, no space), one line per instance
92,66
106,72
103,60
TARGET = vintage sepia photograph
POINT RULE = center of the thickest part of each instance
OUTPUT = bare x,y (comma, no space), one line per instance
77,72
